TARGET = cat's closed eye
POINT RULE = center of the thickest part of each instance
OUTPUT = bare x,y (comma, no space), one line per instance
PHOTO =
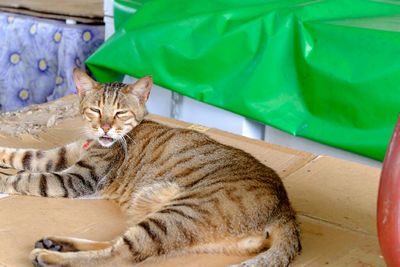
121,113
96,110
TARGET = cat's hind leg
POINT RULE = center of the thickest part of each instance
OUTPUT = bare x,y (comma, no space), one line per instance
63,251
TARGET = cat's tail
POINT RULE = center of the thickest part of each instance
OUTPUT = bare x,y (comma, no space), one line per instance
285,245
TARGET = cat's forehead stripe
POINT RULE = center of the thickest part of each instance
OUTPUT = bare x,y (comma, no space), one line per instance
111,92
116,93
103,97
114,86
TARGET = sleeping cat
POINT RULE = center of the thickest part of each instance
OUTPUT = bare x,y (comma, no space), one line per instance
183,191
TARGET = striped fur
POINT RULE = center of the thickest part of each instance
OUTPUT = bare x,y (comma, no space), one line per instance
183,191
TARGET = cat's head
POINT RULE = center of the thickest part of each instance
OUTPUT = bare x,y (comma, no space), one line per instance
111,109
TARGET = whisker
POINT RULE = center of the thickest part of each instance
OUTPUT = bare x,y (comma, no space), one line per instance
130,138
124,146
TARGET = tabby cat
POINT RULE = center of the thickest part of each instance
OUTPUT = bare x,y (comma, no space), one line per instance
183,191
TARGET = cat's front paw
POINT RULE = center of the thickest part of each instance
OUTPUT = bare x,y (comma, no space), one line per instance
45,258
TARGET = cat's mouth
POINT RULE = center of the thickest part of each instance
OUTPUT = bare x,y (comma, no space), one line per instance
106,140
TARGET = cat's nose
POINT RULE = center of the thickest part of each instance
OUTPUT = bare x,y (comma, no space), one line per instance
106,127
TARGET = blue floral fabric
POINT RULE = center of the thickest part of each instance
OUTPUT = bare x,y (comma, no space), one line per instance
37,57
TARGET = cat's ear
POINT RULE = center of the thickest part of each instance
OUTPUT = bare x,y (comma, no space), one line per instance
141,88
83,82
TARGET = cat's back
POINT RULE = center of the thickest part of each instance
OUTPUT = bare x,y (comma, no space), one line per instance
160,140
175,153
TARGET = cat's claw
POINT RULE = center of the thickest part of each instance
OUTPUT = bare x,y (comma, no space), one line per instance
36,263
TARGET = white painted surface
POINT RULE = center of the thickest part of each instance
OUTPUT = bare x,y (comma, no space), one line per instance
200,113
109,27
278,137
108,8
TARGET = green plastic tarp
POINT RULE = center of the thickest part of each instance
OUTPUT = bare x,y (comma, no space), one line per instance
324,70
